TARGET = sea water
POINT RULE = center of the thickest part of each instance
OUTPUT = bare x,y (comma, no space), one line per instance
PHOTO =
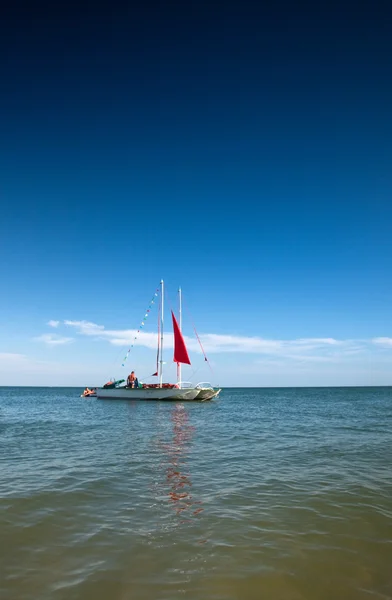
262,494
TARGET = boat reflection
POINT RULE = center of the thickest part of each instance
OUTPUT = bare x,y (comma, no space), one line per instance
178,478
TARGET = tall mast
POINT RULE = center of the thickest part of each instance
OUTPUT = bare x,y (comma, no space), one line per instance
180,317
161,359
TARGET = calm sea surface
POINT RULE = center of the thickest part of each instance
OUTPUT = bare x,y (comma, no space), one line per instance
263,494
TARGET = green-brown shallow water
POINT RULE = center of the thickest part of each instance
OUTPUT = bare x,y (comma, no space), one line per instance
264,494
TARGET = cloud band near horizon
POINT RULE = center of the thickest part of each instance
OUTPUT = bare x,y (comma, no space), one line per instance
318,349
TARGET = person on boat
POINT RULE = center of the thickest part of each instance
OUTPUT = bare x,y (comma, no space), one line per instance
132,381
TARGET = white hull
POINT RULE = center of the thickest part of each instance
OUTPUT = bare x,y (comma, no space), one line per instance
207,394
148,393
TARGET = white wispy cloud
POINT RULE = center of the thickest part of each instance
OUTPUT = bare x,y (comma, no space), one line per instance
53,339
86,327
12,357
53,323
313,349
383,341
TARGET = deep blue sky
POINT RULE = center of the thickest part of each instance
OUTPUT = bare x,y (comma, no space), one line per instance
240,150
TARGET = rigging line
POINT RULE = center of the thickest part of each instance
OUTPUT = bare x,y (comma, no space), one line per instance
198,339
147,312
169,302
194,372
143,377
121,351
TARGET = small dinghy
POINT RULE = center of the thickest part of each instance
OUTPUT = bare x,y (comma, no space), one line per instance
89,393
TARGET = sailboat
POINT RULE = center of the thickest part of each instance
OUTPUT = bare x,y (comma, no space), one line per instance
181,391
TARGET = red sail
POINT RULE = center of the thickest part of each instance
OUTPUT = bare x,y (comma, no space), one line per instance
180,351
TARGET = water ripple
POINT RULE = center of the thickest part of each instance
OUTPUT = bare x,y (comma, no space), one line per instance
281,494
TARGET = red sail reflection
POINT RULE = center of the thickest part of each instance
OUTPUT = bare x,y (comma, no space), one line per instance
180,484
